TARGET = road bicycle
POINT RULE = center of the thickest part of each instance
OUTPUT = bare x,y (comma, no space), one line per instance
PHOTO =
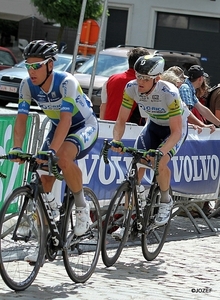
27,225
126,211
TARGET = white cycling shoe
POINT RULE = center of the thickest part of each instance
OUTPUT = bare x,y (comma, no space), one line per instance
164,212
82,220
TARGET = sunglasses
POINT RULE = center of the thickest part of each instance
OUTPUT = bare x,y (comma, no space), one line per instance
36,65
143,77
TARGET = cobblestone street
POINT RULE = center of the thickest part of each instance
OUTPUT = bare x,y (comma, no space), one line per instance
187,268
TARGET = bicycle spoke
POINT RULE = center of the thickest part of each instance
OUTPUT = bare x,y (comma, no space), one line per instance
155,237
117,219
15,245
82,253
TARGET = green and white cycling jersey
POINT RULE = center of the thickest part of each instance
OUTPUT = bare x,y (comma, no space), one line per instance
65,95
160,105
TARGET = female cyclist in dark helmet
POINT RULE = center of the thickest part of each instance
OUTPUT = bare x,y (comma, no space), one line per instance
160,102
74,127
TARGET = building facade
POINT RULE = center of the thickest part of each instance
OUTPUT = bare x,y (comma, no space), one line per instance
188,26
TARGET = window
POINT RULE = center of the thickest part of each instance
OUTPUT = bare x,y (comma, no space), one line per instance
171,20
204,24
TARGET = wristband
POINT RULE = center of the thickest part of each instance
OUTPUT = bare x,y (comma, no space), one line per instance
160,152
53,151
14,153
41,155
17,148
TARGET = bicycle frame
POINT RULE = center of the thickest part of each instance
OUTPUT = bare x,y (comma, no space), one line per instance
36,190
132,177
30,234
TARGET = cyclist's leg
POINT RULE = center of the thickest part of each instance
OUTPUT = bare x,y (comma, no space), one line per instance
164,180
81,254
77,144
46,179
150,138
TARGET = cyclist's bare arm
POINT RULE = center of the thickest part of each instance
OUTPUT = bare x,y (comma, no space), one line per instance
119,127
20,129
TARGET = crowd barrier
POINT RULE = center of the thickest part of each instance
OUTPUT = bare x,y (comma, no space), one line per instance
15,173
195,168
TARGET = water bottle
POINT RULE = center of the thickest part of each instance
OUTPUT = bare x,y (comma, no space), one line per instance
51,200
141,195
53,204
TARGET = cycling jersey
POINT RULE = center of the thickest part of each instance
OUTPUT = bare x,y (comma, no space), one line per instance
161,104
65,95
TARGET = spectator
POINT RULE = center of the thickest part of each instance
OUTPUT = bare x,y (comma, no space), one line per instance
188,93
201,94
213,100
176,76
197,81
213,103
112,91
178,72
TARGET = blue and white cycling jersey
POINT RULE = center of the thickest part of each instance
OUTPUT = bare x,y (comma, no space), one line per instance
65,95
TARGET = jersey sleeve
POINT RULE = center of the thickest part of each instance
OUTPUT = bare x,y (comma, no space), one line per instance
175,107
128,97
24,98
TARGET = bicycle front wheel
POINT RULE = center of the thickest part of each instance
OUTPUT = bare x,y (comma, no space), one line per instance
118,217
155,237
21,234
82,253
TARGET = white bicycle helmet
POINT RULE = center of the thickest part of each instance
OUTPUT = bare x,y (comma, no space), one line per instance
149,65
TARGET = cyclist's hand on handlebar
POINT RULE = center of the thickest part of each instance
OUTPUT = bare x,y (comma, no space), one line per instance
14,153
42,157
117,146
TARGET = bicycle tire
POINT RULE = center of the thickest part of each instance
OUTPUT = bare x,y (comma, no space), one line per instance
17,273
82,253
116,217
152,242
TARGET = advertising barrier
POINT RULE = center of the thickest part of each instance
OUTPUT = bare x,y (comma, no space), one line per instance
15,172
195,168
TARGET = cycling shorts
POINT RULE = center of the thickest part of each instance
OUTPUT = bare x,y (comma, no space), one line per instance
83,136
154,136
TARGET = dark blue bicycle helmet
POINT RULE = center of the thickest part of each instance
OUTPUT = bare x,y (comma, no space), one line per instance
40,48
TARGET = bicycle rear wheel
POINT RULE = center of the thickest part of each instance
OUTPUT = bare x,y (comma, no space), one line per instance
18,241
117,217
153,240
82,253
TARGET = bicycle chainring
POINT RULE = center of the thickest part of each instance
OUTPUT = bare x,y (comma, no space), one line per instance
134,230
51,252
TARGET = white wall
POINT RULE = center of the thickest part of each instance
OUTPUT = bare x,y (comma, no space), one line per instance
142,15
17,10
